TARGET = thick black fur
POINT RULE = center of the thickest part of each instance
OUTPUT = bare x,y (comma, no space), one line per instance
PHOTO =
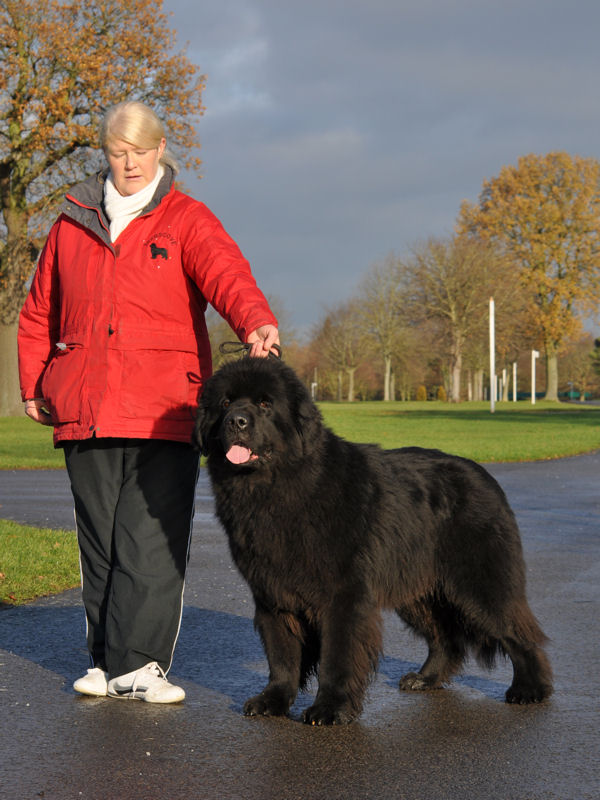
327,533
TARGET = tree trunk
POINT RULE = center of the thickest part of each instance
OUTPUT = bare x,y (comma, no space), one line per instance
478,392
456,371
387,380
339,386
551,377
10,395
455,386
350,371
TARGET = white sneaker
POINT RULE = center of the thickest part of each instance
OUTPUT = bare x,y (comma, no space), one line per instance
94,682
148,683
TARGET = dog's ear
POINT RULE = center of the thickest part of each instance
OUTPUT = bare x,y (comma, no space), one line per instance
309,424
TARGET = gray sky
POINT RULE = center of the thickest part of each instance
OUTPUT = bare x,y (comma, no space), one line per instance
338,131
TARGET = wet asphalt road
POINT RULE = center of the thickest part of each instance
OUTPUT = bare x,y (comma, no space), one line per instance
459,743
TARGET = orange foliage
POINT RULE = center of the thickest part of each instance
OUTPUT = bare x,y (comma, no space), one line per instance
546,212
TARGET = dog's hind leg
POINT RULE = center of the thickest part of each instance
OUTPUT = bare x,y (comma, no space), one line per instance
438,668
532,674
436,622
283,646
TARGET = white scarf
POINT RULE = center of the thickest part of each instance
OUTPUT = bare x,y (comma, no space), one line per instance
121,209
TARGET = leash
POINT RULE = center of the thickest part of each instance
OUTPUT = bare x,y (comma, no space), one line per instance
228,348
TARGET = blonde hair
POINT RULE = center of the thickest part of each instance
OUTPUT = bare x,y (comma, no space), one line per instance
137,124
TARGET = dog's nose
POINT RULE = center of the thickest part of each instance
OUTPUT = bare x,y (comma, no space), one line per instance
239,421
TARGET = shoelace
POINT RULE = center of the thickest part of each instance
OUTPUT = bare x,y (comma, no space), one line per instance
152,668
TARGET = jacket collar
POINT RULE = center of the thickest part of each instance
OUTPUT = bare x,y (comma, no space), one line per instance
84,202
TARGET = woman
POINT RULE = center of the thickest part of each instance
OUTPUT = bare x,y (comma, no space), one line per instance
113,352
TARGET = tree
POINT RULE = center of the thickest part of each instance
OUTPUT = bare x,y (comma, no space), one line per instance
449,282
64,62
342,344
577,366
595,357
545,212
381,308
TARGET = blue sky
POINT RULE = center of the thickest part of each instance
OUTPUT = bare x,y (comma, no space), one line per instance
336,132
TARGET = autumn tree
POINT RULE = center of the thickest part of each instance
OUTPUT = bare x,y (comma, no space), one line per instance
342,344
546,213
64,62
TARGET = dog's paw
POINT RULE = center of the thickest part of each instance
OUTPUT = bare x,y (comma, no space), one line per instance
523,695
328,714
416,682
267,705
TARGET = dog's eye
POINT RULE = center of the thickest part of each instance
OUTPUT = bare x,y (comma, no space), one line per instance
265,403
225,402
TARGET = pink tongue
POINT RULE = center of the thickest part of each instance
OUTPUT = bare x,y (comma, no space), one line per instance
239,455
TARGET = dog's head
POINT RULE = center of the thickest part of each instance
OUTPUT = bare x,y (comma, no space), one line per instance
255,413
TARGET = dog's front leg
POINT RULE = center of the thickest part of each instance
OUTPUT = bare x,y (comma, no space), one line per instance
350,648
284,653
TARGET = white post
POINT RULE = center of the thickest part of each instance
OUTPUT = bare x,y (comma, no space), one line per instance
514,381
534,354
492,357
504,386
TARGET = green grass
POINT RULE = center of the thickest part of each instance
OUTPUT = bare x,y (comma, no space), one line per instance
25,444
515,432
38,562
35,562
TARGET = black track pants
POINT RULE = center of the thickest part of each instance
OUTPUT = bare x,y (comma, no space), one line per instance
134,507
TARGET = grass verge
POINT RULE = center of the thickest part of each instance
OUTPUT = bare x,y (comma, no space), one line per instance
35,562
24,444
515,432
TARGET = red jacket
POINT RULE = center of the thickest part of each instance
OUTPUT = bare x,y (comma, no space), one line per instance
113,336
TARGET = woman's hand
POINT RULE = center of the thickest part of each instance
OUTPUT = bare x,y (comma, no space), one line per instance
262,340
37,411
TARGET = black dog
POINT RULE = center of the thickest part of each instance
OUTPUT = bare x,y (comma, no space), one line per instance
156,251
327,533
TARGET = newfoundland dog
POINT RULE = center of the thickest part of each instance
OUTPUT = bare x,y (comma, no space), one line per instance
328,532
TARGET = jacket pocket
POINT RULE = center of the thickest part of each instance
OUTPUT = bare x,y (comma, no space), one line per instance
158,384
63,382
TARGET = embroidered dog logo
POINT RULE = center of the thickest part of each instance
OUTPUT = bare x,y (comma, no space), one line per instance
158,251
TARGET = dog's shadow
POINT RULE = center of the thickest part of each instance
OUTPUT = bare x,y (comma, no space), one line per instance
218,651
223,653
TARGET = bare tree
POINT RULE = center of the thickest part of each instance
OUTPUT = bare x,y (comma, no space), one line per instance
343,344
449,282
577,366
382,313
